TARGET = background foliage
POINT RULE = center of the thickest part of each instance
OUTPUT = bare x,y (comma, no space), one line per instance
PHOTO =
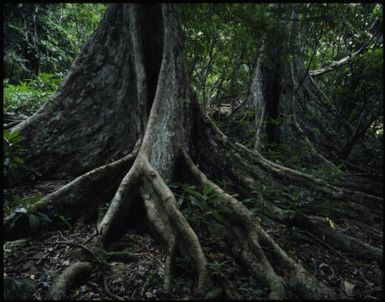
222,44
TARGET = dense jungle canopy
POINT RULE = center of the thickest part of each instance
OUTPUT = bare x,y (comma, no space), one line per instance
200,151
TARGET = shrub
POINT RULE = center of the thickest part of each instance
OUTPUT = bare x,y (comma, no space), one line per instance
13,164
29,95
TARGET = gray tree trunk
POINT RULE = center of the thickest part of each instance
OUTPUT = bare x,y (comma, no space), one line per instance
101,108
283,95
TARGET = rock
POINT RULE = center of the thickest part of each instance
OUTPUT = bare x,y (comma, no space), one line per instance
21,289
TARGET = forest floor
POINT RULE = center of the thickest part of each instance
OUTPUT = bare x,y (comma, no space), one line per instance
42,260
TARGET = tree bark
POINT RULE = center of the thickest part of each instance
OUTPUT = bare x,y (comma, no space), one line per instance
125,123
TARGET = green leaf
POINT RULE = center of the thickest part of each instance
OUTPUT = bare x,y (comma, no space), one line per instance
206,190
8,135
18,160
217,216
65,221
33,199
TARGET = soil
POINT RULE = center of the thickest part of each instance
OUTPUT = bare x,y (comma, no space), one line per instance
42,260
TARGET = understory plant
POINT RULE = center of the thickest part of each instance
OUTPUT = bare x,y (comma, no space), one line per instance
30,94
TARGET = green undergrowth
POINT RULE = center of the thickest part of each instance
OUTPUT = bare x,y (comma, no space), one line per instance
26,98
13,163
199,205
29,95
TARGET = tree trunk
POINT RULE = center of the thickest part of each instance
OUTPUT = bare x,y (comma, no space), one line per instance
283,94
125,123
101,108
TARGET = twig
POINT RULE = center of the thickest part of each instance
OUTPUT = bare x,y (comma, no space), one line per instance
62,236
96,233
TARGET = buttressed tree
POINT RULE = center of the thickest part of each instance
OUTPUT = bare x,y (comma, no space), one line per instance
125,123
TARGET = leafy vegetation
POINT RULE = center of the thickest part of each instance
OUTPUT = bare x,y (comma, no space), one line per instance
24,210
222,44
42,37
29,95
26,201
201,206
13,164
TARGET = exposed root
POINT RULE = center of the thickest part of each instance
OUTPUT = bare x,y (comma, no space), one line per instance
165,220
78,189
251,256
118,209
182,228
299,177
70,277
337,238
12,119
311,181
161,228
293,273
214,140
168,266
78,194
300,281
319,227
357,212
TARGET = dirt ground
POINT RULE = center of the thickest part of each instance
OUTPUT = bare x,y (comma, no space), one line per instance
42,260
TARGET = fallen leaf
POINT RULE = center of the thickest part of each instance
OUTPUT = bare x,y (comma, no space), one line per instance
32,277
66,262
349,288
330,222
